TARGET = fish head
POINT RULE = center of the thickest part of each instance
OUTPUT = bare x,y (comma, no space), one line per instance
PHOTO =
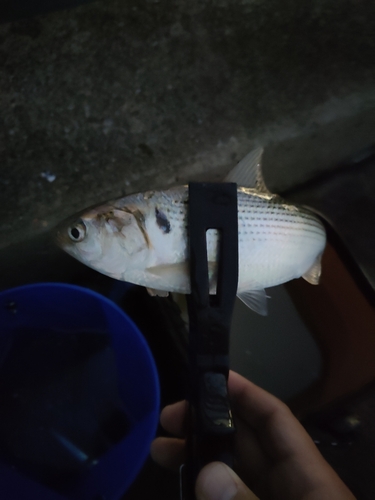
107,239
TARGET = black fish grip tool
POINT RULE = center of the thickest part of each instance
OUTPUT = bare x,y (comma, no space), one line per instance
211,428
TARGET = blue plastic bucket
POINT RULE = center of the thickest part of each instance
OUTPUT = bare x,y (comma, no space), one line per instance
70,309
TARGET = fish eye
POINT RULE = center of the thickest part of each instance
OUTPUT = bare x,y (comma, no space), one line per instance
77,232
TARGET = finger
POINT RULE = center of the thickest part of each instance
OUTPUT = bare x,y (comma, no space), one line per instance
251,461
285,440
168,452
250,402
217,481
280,433
172,418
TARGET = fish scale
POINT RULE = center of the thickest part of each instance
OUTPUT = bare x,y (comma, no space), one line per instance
262,219
142,238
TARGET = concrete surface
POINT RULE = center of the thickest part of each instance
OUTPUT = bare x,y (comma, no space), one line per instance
118,96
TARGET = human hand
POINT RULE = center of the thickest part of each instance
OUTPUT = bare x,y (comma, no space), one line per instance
275,456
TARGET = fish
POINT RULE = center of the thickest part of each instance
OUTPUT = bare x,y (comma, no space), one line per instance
142,238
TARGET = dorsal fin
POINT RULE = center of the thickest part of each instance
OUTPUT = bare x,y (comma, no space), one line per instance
248,172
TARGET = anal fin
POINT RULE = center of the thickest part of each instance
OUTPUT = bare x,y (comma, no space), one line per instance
255,300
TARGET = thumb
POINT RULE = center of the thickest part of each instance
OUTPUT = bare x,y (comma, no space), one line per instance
216,481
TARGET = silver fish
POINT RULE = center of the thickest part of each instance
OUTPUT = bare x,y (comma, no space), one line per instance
142,238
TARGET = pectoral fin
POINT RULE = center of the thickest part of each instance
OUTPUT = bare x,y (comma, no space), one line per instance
166,270
255,300
172,276
177,277
313,274
248,172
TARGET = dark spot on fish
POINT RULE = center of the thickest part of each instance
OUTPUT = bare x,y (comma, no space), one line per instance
162,221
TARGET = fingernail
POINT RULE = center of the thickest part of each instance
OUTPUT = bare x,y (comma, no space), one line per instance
216,482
